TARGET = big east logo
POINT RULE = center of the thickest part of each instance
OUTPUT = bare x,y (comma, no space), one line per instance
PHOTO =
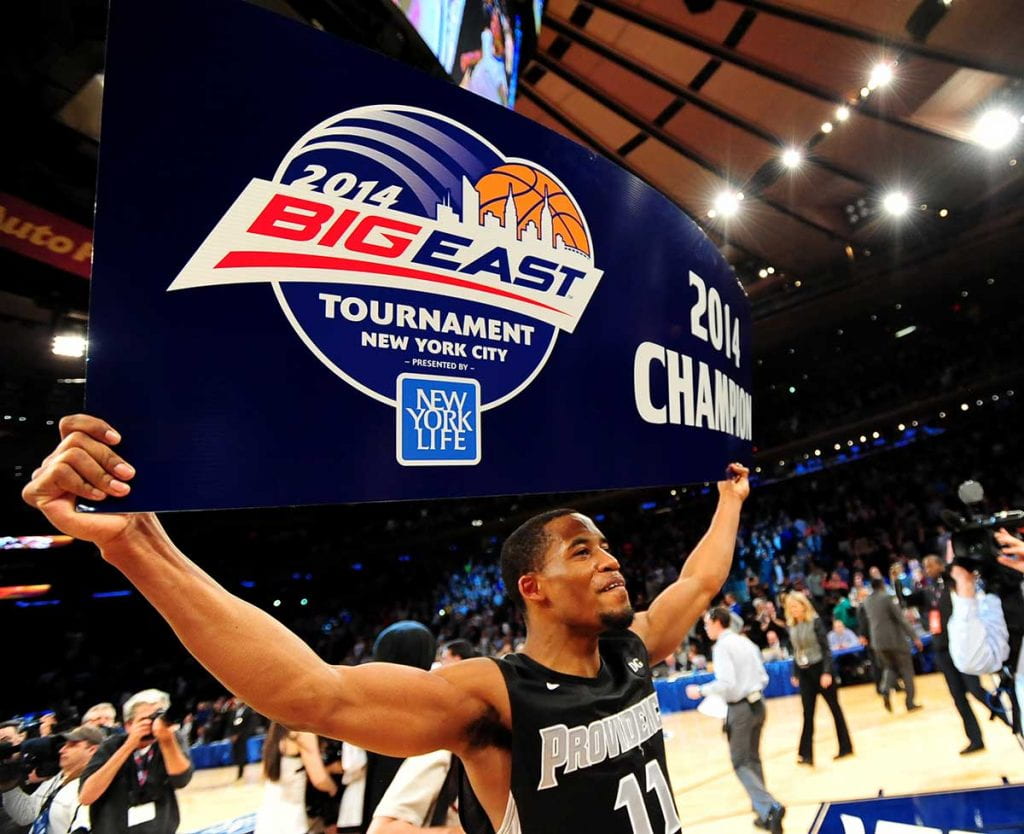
417,262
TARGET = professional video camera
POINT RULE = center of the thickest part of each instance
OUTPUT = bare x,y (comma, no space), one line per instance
39,754
974,544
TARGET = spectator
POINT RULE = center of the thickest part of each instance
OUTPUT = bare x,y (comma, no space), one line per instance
131,780
289,761
425,791
774,649
845,613
53,808
840,637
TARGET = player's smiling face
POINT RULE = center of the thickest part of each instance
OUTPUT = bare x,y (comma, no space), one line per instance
580,577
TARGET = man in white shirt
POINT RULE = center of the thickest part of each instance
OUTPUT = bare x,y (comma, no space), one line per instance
54,806
979,640
740,678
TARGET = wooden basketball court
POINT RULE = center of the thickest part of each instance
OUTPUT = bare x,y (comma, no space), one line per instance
898,753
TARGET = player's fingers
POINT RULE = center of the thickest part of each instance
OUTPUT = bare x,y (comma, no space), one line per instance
93,426
106,457
56,480
86,467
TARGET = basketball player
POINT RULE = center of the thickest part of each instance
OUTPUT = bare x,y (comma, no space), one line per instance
565,736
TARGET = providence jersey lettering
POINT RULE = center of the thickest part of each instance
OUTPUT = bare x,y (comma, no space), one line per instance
588,753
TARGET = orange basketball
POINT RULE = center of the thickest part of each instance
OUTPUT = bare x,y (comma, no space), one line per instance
528,186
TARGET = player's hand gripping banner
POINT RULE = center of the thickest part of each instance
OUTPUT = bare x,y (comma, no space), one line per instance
321,276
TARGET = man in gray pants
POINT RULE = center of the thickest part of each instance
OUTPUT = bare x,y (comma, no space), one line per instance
888,633
740,678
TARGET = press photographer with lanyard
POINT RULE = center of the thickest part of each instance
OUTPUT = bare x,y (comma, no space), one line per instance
54,807
130,782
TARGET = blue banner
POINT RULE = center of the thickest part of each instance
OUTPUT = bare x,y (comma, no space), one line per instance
321,276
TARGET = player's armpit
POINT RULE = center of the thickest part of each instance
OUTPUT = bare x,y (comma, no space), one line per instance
401,711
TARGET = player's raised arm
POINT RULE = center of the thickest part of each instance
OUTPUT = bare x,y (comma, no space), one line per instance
395,710
674,611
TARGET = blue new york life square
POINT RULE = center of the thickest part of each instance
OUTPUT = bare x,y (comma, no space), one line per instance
438,421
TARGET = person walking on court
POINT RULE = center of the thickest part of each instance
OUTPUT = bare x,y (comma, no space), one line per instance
740,679
814,674
888,633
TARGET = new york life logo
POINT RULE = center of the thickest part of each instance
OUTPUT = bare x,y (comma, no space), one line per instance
416,262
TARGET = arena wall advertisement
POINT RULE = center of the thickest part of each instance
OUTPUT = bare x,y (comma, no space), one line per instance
321,276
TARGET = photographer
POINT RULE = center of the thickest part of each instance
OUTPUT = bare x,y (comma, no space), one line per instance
53,807
130,782
985,629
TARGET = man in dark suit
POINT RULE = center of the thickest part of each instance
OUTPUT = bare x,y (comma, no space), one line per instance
243,723
888,633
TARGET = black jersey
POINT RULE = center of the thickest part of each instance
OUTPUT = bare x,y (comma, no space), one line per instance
588,753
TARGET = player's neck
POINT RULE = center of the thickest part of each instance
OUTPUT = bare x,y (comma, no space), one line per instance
565,651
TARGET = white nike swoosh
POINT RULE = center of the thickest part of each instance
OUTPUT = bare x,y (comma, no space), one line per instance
553,686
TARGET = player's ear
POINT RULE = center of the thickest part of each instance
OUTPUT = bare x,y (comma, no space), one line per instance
529,587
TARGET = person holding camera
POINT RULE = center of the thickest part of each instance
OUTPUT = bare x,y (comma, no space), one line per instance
981,639
130,782
53,808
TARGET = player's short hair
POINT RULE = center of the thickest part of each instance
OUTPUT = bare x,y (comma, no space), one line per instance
720,615
523,550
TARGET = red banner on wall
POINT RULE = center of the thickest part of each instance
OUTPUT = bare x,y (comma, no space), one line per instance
47,237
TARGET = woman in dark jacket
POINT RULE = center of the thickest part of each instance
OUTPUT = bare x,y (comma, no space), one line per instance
812,662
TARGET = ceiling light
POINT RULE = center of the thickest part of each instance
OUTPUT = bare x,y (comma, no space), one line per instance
875,435
881,74
792,157
727,203
896,203
797,284
864,92
826,127
817,452
943,212
906,331
69,344
901,426
842,114
770,270
837,447
712,214
995,129
762,273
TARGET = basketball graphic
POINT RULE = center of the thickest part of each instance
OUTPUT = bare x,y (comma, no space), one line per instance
531,192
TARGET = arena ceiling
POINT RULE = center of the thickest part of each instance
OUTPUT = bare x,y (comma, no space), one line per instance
698,104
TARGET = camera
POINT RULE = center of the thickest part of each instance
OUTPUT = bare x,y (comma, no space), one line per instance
42,755
973,540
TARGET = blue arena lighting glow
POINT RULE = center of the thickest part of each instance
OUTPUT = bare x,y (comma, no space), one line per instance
648,505
296,576
405,557
357,566
36,603
111,594
599,517
247,583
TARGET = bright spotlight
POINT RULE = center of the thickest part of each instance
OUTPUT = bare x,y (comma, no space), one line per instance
842,114
881,74
727,203
896,203
791,157
995,129
826,127
69,345
762,273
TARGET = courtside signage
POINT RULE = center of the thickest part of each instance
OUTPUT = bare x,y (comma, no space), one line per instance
380,249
